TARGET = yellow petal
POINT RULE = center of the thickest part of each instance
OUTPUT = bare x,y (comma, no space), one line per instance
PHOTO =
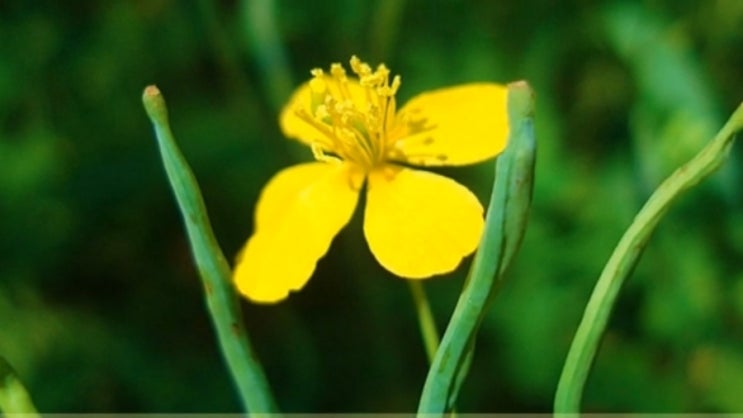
469,124
302,100
299,212
419,224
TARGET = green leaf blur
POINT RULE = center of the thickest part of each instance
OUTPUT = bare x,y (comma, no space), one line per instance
101,309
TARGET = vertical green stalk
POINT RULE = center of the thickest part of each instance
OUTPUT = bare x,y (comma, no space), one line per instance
264,41
505,224
14,399
226,54
215,273
625,256
385,24
426,321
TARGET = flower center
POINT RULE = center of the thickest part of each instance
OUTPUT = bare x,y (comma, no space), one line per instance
355,117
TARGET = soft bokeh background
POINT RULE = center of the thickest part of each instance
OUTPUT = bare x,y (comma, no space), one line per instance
100,306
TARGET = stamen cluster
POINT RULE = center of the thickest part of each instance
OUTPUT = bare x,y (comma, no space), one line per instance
354,117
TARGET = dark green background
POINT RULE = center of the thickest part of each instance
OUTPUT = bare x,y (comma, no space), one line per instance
100,306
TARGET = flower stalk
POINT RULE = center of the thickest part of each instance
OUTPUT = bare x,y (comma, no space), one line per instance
426,321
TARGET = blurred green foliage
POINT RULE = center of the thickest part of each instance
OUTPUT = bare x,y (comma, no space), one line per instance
100,306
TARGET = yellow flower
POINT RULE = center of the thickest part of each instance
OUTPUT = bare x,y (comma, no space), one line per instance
417,223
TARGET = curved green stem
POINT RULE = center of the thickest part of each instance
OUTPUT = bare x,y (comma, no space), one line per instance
215,273
14,399
505,224
625,256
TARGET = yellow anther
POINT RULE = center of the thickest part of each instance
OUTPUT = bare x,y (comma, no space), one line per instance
396,81
383,72
337,71
359,67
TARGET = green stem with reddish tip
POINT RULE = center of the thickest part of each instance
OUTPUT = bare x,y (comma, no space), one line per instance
221,298
505,224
